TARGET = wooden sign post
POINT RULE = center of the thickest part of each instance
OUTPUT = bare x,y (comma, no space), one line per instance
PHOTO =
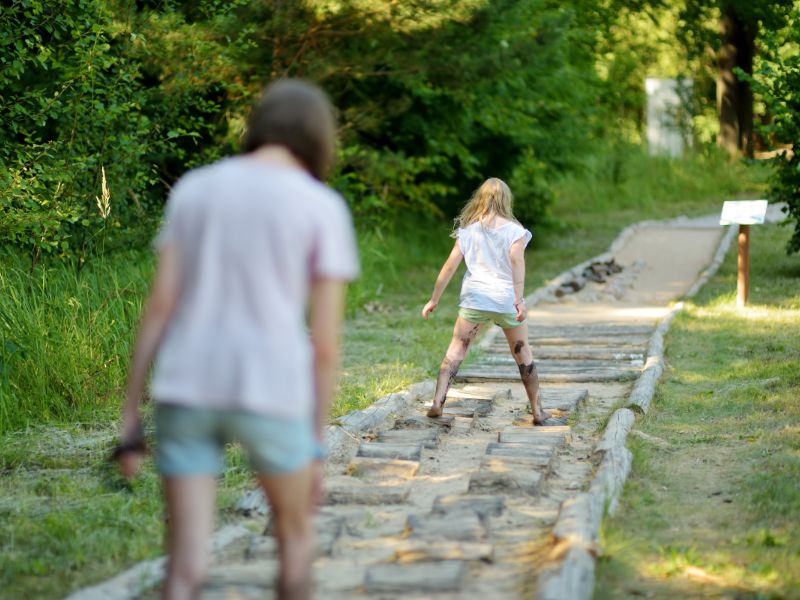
743,213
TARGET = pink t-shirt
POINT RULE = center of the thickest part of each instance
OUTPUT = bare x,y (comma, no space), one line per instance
251,237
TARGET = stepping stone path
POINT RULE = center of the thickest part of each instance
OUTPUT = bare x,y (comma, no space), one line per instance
461,506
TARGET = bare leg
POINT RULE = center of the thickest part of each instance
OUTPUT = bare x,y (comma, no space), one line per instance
521,351
463,334
190,510
290,496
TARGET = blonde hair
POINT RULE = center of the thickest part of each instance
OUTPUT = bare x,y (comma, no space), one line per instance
493,197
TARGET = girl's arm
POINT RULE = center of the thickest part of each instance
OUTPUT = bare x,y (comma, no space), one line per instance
158,310
445,275
518,275
325,321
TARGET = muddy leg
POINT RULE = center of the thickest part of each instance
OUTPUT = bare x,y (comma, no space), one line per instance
521,351
463,334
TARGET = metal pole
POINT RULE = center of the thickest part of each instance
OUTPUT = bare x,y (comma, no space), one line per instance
743,280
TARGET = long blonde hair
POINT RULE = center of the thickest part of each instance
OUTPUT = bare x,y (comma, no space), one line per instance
493,197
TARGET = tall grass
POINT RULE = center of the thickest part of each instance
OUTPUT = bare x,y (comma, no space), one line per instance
66,336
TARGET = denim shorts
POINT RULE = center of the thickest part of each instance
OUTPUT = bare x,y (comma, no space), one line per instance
190,441
504,320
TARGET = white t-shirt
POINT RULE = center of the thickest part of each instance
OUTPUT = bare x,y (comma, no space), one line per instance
488,283
251,237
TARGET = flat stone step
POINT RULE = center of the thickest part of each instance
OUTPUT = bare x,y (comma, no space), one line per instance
412,451
382,468
558,435
501,462
429,438
590,340
349,490
445,422
484,506
495,477
466,412
567,400
328,528
468,407
616,329
543,451
416,578
505,360
416,550
464,526
617,353
564,375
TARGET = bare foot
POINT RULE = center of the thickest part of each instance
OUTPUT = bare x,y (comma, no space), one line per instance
543,416
435,411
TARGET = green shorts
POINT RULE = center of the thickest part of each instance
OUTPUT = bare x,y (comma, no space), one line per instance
190,441
504,320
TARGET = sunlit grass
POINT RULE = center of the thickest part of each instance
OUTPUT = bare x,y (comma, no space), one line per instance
718,513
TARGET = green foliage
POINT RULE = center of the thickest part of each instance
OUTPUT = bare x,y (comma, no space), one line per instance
70,106
777,80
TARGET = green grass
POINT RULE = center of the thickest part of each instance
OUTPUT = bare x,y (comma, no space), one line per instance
718,513
65,339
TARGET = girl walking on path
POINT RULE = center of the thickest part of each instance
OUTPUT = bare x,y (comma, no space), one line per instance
248,243
492,244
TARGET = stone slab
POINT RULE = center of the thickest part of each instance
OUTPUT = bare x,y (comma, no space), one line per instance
385,468
604,341
479,408
572,375
513,463
484,506
465,526
349,490
543,451
445,422
460,411
429,438
499,479
568,400
414,550
426,577
557,435
412,451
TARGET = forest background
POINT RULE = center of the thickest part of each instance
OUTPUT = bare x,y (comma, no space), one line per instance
104,104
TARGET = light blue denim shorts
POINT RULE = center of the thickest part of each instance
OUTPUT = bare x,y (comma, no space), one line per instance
191,441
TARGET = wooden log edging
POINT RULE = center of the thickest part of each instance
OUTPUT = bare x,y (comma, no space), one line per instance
578,524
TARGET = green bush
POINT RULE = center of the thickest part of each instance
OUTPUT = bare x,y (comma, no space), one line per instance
777,81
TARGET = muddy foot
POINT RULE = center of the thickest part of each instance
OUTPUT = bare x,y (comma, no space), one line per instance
549,421
435,411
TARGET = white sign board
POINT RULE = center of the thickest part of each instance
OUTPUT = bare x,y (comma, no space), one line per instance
743,212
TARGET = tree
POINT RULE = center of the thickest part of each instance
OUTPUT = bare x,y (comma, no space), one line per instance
739,23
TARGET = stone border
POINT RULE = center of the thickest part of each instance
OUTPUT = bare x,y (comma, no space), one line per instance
577,528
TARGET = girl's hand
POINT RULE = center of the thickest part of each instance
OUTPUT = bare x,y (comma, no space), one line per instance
131,450
521,310
429,308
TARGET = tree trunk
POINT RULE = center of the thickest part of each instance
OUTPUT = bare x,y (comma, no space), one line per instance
735,97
